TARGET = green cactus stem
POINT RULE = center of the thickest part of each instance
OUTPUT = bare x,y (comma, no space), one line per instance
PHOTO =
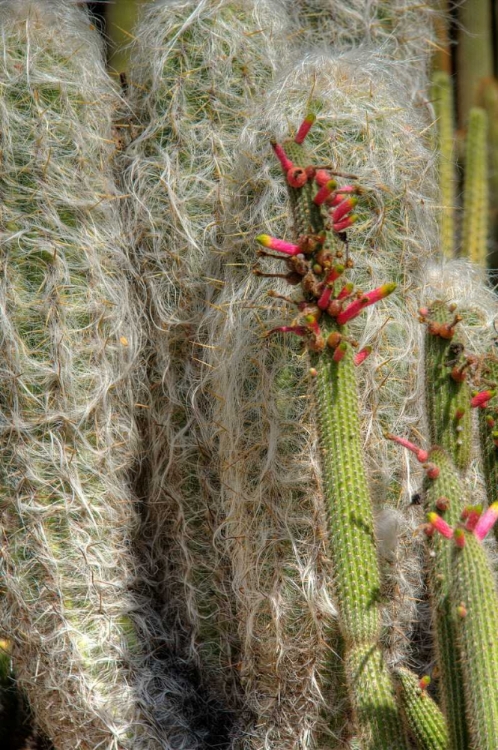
442,100
488,430
475,613
488,99
375,706
422,715
474,53
475,194
446,387
446,485
353,547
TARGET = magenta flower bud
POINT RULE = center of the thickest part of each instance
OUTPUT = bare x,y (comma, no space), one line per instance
304,128
322,177
459,537
340,352
471,515
345,223
421,454
282,156
481,399
324,192
440,525
486,521
324,299
361,356
370,298
346,290
344,207
279,245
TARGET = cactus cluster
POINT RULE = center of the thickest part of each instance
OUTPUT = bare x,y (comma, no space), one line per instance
248,410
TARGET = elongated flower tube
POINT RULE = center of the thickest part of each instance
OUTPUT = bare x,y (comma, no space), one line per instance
369,298
422,455
272,243
482,398
440,525
304,128
486,521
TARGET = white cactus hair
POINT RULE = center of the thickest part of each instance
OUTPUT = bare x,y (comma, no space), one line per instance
195,69
275,526
70,339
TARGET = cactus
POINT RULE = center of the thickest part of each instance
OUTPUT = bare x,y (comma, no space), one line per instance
442,98
488,429
474,53
189,101
475,206
421,713
69,343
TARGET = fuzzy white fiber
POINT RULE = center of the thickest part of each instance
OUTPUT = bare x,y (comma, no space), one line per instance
275,529
197,70
69,341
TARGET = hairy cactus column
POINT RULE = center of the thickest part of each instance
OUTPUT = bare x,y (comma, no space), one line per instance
262,413
68,341
195,69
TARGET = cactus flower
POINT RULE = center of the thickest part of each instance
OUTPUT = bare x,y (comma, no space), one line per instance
486,521
281,246
440,525
422,455
482,398
370,298
304,128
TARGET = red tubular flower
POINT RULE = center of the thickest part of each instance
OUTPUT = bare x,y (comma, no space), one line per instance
345,206
322,177
486,521
345,223
370,298
459,537
340,352
481,399
346,290
324,299
471,515
361,356
440,525
421,455
324,192
280,246
304,128
282,156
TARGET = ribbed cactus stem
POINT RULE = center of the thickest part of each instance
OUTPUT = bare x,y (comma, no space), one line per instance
375,707
474,52
422,715
345,487
446,388
442,100
488,431
447,485
475,611
475,195
488,99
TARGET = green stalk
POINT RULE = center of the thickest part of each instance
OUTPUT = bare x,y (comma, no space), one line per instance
422,715
474,53
352,536
442,99
447,400
475,193
475,612
446,485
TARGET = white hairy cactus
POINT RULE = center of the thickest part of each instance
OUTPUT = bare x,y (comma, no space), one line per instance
275,527
69,341
196,69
